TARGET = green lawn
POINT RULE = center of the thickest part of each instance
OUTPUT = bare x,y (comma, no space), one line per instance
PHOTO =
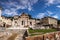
40,31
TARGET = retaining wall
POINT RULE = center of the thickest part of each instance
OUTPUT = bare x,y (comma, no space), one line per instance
47,36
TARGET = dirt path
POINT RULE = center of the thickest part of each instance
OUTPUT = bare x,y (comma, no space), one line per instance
12,37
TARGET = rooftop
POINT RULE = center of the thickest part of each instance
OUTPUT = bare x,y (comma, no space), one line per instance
50,17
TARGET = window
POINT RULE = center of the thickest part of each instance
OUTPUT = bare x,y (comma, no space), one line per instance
15,21
30,23
23,23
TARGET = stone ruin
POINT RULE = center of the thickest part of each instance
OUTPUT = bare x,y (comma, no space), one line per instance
13,34
47,36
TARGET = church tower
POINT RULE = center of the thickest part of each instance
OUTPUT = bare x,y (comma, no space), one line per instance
0,11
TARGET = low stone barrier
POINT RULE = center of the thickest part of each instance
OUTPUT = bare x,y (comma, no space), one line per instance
57,35
40,37
47,36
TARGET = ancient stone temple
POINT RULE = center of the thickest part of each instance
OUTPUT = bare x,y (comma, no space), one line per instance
25,20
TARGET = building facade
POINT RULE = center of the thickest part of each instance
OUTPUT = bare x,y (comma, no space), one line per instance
25,20
49,21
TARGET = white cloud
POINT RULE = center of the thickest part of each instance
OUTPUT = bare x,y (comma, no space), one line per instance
49,13
40,15
10,12
58,6
29,8
49,2
55,16
23,4
12,5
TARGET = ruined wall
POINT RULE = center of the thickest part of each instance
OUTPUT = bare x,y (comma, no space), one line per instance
47,36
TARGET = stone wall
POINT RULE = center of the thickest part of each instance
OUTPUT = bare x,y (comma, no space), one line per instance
47,36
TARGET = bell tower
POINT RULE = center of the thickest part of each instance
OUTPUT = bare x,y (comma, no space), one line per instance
0,11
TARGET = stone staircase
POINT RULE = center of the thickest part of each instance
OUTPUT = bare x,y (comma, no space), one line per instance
4,36
12,34
20,35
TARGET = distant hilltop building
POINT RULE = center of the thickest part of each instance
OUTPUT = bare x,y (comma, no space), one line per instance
25,20
49,21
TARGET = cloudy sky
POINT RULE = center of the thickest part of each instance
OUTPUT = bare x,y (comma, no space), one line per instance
36,8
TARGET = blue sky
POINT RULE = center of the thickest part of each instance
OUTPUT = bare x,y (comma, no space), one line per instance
36,8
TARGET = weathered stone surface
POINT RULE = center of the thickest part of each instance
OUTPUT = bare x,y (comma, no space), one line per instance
48,36
57,35
35,38
12,34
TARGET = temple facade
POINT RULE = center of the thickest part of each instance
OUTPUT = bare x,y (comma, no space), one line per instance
25,20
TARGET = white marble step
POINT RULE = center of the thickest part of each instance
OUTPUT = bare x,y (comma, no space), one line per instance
18,37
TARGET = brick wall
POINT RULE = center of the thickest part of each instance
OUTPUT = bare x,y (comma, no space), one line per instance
50,36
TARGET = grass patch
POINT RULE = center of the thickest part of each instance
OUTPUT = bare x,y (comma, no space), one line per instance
40,31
